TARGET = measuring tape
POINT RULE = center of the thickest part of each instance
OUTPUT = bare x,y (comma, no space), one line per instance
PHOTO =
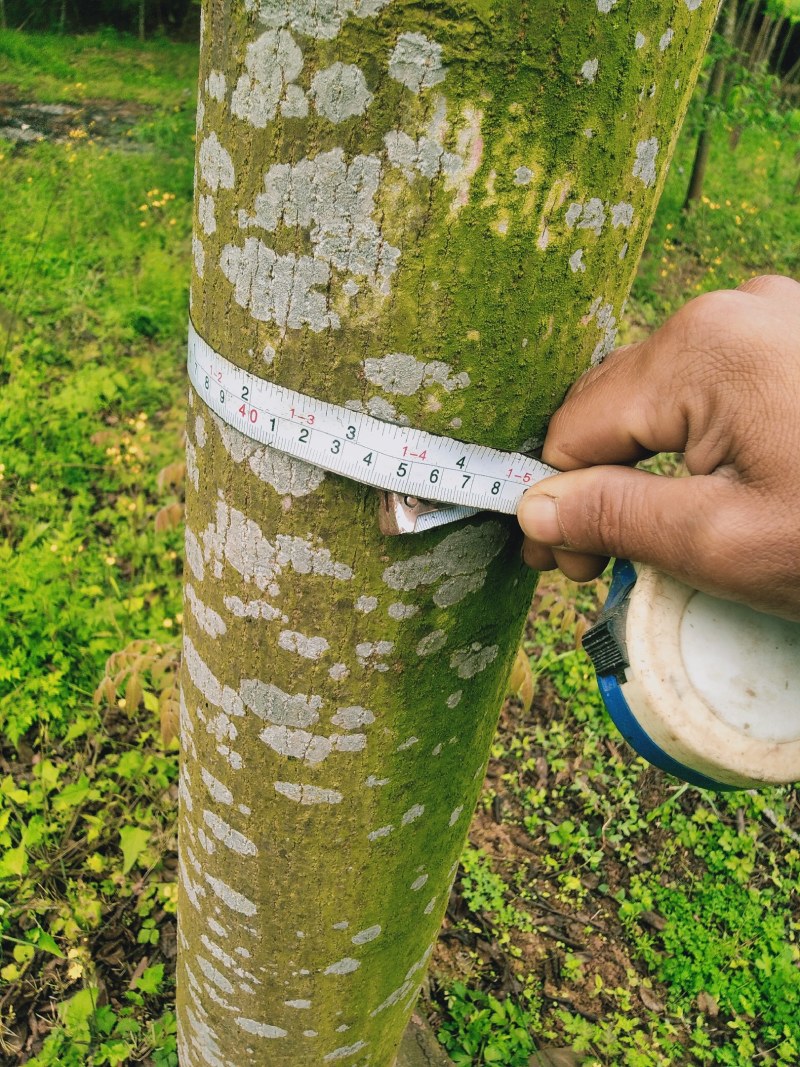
707,690
399,459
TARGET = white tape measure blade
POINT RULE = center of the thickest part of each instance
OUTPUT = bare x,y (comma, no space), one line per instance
400,459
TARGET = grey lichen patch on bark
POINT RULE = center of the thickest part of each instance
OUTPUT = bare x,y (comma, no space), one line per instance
467,662
366,935
334,199
283,472
379,408
416,62
455,815
286,290
235,539
371,653
311,748
230,838
461,557
606,321
234,901
194,555
273,704
344,1051
215,163
340,92
402,374
308,647
210,621
308,794
206,214
272,63
218,790
216,86
259,1029
431,643
353,717
253,609
399,610
199,256
644,167
322,19
621,214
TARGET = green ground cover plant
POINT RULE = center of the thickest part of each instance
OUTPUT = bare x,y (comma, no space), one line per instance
600,904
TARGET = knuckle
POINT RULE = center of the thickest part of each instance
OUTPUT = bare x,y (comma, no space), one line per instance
712,318
603,514
771,285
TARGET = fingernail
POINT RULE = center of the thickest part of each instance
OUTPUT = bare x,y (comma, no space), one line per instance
538,517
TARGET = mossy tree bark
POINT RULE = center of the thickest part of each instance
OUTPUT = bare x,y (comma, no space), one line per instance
431,212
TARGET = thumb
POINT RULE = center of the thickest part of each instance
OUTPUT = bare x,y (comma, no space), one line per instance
675,524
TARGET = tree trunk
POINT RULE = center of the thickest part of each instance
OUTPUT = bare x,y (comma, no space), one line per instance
432,212
769,51
142,12
787,38
765,43
793,72
758,46
713,94
745,25
3,20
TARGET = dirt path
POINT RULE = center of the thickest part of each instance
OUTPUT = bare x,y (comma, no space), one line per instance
28,122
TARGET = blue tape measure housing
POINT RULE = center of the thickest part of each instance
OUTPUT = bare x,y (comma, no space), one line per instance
623,580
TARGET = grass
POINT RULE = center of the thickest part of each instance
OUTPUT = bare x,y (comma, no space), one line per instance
636,921
93,308
51,68
747,223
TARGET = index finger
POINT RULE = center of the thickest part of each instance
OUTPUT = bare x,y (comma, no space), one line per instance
636,402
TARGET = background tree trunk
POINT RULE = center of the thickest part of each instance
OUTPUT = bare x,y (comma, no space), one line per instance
787,38
744,31
432,212
769,51
757,51
142,14
713,95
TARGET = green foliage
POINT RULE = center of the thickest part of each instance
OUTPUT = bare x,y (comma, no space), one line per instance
480,1029
102,1036
92,312
106,66
746,224
95,260
732,946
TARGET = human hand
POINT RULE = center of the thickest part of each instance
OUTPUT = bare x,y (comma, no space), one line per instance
720,382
